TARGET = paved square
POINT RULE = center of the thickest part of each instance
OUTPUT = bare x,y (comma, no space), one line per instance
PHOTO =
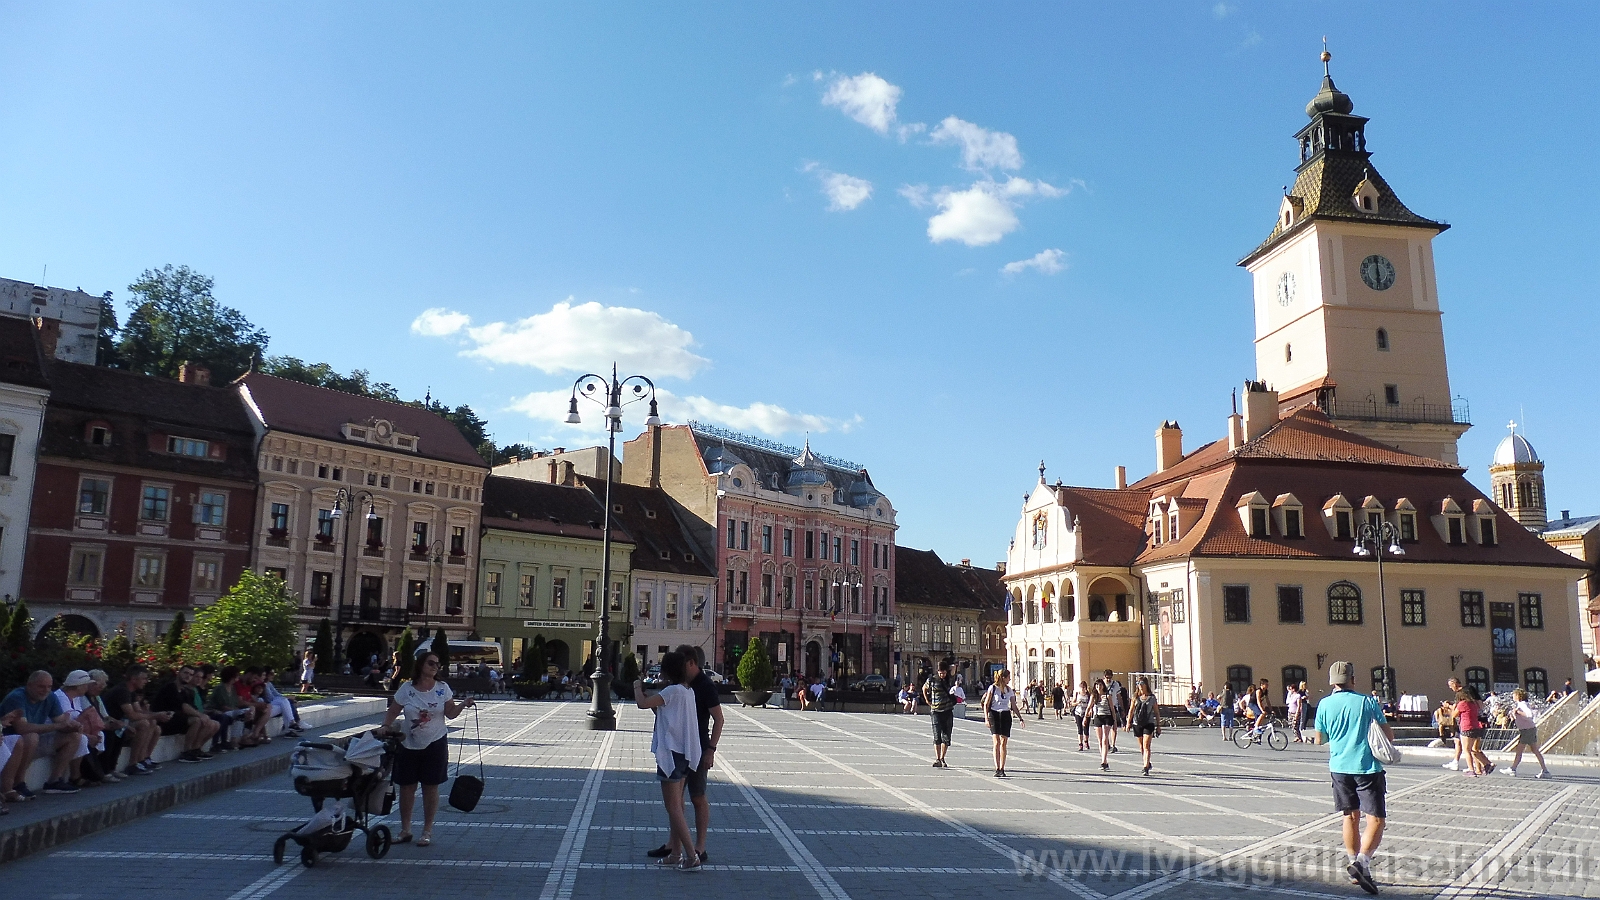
843,806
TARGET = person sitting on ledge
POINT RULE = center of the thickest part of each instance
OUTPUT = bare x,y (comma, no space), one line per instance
42,729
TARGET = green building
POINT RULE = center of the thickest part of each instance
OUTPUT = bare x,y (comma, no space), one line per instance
539,571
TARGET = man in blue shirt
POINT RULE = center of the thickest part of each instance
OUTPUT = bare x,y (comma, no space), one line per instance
35,734
1343,720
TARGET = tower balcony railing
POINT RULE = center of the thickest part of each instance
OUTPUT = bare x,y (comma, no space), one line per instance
1454,413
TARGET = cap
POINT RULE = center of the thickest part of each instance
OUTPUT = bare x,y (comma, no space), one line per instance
1341,673
76,678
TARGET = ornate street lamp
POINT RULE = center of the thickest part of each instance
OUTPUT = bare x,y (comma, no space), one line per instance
1375,541
343,499
591,387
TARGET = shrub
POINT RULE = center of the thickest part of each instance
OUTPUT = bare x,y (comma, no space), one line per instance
441,649
755,670
323,647
251,625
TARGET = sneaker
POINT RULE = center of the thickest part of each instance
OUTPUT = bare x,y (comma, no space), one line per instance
151,764
1105,767
1542,773
997,773
204,755
60,787
190,756
1511,772
1452,765
1361,875
659,852
23,793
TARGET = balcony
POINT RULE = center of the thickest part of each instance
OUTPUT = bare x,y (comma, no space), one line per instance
1454,413
376,615
887,621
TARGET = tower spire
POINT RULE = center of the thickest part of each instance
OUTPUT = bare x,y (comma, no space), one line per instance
1326,57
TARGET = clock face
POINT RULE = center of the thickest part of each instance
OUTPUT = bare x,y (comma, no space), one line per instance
1286,289
1377,272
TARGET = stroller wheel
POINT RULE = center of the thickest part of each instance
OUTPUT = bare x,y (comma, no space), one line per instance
378,840
277,849
308,856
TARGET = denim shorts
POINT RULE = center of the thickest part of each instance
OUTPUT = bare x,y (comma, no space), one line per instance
680,768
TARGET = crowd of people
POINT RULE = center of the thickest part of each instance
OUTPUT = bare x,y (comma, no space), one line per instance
85,724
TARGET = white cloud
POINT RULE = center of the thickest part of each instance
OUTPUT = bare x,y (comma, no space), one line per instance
572,338
865,98
1048,262
975,217
845,192
1222,10
981,149
916,195
439,322
764,418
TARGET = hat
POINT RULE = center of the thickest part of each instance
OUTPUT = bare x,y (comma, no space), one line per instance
1341,673
76,678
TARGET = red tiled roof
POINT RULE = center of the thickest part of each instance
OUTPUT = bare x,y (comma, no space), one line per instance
1110,522
631,509
922,578
538,507
322,413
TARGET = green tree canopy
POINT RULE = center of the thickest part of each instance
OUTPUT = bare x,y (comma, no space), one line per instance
323,647
441,649
175,319
251,625
755,670
359,381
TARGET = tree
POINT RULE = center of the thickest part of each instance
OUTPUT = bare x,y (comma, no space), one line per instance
171,647
359,381
404,650
105,352
755,670
323,647
175,319
19,630
441,649
533,660
251,625
118,655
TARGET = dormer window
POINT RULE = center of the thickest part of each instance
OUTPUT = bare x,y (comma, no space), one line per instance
188,447
1365,197
1289,516
1338,516
1451,522
1486,534
1406,516
99,436
1172,526
1254,515
1372,513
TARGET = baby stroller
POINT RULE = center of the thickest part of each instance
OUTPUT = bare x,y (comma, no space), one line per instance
353,771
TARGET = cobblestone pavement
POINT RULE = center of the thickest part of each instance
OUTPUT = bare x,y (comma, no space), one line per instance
840,806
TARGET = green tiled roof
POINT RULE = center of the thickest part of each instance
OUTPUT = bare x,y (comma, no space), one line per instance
1324,190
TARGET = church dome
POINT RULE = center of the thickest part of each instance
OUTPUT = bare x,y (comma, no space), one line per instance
1514,449
1329,99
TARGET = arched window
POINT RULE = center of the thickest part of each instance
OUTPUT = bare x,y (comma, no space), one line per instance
1069,605
1016,608
1344,604
1478,680
1239,678
1033,612
1293,675
1097,608
1383,339
1536,682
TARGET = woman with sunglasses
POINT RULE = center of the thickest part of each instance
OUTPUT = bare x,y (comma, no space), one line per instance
998,702
424,756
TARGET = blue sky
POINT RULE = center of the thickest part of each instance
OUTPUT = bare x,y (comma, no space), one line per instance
719,195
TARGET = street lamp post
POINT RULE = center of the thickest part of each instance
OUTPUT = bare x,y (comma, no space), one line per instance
601,716
341,500
853,582
435,563
1375,541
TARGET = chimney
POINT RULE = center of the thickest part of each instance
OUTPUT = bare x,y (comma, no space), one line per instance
1566,514
552,473
1260,409
1235,432
655,456
49,334
1121,477
559,450
966,564
1000,567
1169,445
567,473
189,373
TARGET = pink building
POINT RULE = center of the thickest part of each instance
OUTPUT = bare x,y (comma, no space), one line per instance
804,546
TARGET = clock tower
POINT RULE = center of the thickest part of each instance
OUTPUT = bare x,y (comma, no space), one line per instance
1347,305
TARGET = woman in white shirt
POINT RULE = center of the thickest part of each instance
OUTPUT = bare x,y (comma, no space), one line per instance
424,756
1527,733
676,745
998,702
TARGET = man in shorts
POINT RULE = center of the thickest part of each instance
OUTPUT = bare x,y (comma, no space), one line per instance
938,693
708,706
1343,720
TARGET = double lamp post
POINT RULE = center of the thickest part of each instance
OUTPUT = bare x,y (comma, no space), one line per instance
1375,540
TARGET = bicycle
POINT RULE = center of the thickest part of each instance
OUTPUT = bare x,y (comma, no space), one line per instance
1274,733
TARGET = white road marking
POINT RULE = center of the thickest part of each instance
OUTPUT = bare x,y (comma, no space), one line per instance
564,871
1480,874
824,884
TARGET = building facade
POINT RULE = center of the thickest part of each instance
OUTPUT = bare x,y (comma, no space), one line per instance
673,584
804,544
143,503
24,391
369,511
939,617
541,568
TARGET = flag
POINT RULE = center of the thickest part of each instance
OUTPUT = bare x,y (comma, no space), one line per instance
700,607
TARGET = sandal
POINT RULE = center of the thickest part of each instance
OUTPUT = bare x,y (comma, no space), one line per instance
403,838
426,839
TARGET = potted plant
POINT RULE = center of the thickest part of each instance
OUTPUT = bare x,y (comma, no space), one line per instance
755,676
277,534
323,537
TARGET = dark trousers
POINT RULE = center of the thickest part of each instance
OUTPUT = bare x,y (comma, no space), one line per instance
103,761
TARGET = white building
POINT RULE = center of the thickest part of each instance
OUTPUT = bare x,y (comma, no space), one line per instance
71,317
23,392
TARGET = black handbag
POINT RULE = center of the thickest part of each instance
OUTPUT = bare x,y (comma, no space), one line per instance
466,790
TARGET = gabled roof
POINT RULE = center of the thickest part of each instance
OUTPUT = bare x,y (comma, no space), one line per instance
139,406
1324,188
661,542
22,359
322,413
921,578
537,507
1110,523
